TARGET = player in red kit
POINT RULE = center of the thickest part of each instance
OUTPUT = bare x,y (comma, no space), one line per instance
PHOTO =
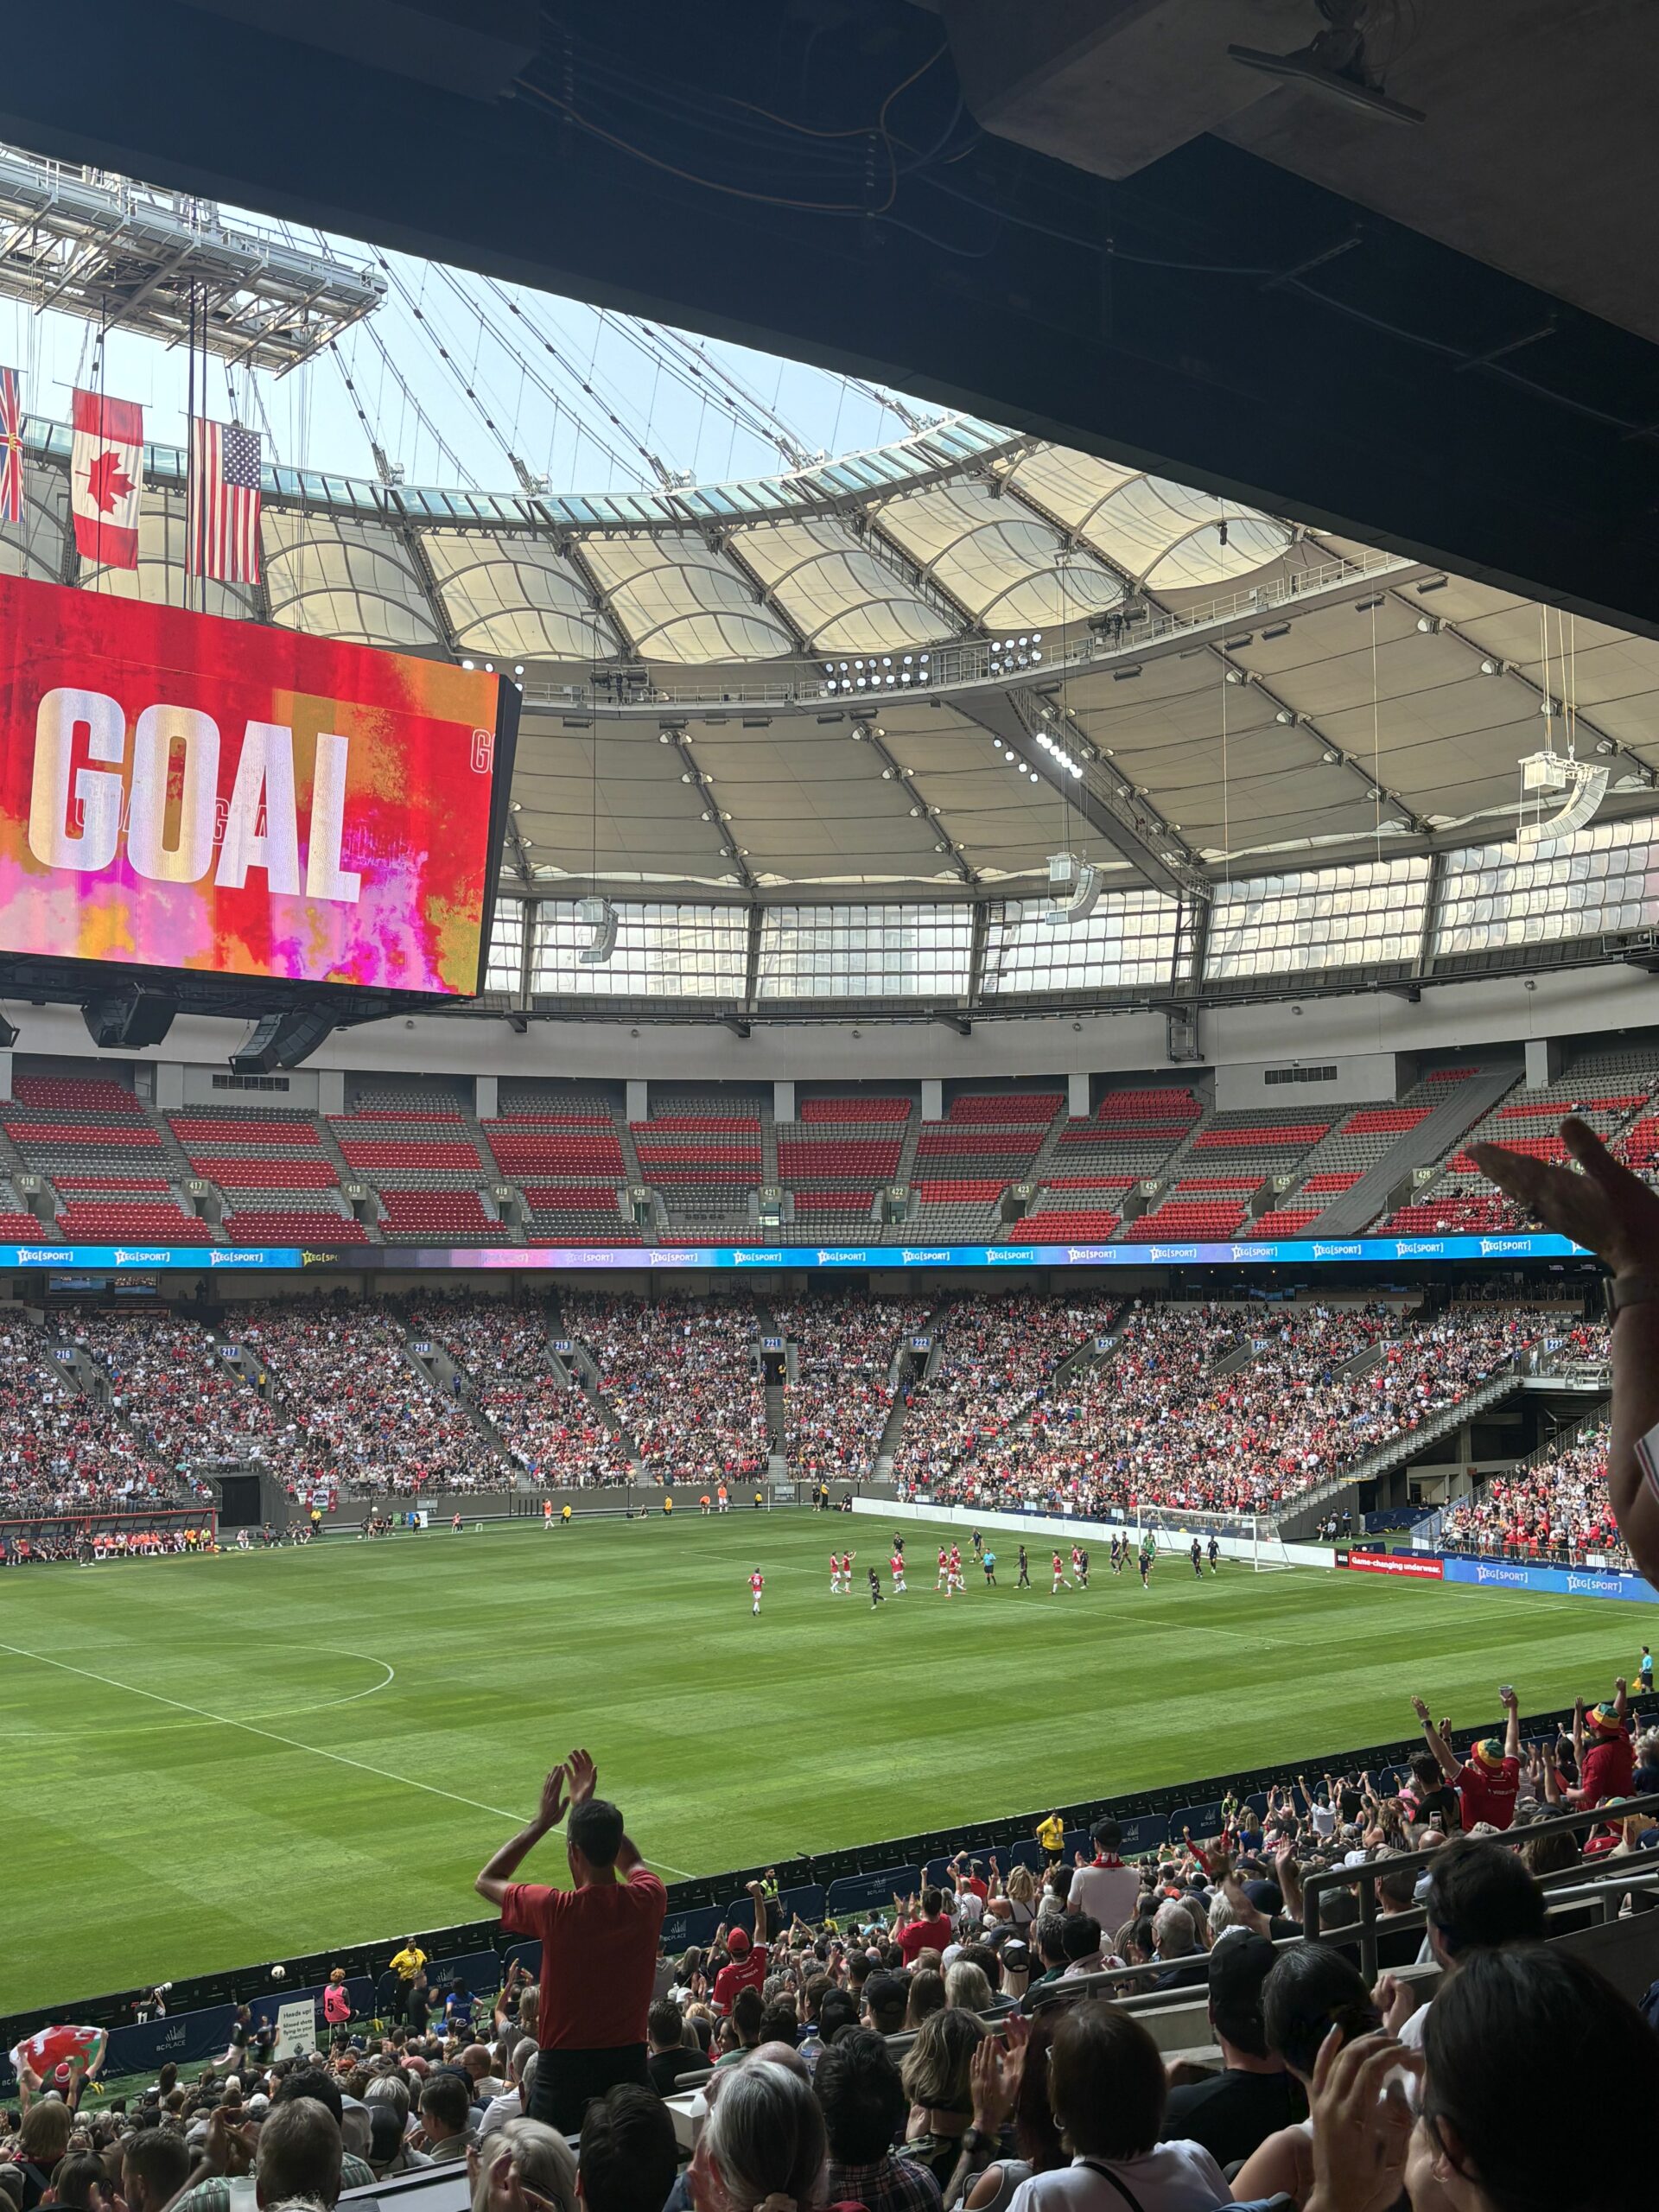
1060,1575
944,1568
834,1574
757,1583
896,1567
847,1558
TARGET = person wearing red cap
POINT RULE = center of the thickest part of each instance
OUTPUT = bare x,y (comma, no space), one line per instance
1487,1781
746,1968
1607,1762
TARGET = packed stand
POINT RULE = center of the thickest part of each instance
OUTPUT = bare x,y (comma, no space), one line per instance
60,1452
549,1428
357,1411
172,1383
997,1356
1556,1510
838,1406
680,1376
1153,1424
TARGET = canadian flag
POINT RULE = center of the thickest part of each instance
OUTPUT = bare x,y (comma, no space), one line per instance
106,479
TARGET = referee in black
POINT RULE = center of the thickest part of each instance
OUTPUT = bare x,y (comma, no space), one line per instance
1024,1583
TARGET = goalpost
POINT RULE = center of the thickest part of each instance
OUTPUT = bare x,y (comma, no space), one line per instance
1250,1538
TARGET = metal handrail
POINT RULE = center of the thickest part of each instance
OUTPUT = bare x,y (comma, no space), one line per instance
1368,1875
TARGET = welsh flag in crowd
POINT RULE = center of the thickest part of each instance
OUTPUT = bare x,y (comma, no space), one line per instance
58,2055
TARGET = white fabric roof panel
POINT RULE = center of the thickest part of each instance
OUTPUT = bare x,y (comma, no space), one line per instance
838,595
335,579
997,559
677,602
1161,534
513,598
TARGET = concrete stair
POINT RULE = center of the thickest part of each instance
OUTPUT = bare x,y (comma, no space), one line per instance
1436,1137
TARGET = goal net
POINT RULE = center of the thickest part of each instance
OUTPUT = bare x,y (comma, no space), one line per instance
1250,1538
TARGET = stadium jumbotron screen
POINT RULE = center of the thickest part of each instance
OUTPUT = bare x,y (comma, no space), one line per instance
178,791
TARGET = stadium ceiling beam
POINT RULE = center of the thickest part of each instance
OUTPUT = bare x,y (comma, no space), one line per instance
1129,823
725,546
920,578
675,732
1329,753
1511,671
569,548
904,784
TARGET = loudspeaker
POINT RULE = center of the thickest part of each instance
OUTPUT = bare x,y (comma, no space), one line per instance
281,1041
128,1019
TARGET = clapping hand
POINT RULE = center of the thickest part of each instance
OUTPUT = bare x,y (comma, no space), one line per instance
583,1775
1360,2133
553,1799
995,2074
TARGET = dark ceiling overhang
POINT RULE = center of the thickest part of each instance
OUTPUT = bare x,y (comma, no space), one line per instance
1214,317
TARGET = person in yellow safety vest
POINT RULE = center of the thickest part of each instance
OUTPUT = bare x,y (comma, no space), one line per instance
1051,1833
667,1505
564,1515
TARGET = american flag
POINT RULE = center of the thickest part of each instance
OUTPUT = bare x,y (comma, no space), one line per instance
222,520
11,448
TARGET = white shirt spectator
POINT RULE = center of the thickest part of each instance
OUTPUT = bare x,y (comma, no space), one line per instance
1175,2178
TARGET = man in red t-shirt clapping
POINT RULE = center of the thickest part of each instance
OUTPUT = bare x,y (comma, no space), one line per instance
599,1945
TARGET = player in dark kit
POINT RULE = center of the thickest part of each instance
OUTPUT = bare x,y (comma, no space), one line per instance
1024,1583
876,1598
1215,1553
1146,1567
1081,1562
1197,1559
1118,1551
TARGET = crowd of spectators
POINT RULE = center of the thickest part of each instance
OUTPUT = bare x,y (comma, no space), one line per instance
995,1356
548,1427
1556,1510
61,1452
682,1380
837,1405
1231,1409
168,1379
961,2048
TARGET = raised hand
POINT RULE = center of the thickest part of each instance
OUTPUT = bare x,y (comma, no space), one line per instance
1604,1207
583,1775
553,1799
996,2073
1420,1707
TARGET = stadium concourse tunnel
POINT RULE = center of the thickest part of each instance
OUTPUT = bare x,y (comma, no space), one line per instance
842,1884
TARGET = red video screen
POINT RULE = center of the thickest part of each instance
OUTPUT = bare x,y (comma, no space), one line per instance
178,791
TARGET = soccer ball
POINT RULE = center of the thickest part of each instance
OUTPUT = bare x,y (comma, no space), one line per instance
279,1973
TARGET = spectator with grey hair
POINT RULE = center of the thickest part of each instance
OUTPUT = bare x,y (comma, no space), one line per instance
1178,1951
762,2145
524,2163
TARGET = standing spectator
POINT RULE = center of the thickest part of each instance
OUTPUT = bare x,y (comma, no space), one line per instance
930,1931
1105,1889
1107,2089
938,2078
1607,1762
599,1945
747,1961
1489,1779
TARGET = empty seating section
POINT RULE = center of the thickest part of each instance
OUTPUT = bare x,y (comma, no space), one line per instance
74,1097
424,1217
1090,1226
1005,1109
521,1148
854,1207
1329,1182
850,1113
820,1159
1610,1091
320,1224
1191,1210
1260,1141
1132,1134
17,1227
1287,1221
116,1220
951,1209
1009,1152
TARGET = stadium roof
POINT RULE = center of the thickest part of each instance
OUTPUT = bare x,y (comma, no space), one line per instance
1239,694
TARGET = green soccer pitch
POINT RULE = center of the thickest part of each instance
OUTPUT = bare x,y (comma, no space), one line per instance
207,1762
